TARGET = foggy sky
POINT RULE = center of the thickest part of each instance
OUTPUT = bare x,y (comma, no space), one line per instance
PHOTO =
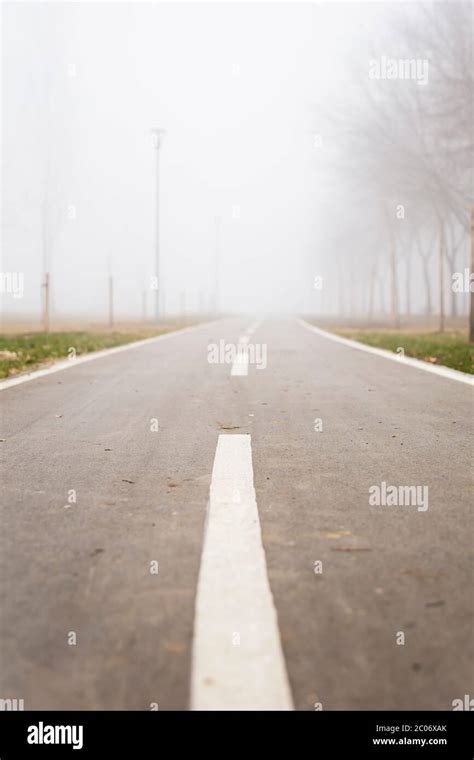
237,88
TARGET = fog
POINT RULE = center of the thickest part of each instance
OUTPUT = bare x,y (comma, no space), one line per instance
271,129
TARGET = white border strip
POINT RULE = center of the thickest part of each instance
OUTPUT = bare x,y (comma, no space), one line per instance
451,374
69,363
238,662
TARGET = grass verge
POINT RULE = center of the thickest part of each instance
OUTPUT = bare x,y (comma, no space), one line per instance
449,349
30,351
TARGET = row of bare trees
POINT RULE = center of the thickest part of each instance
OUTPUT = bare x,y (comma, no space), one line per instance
403,148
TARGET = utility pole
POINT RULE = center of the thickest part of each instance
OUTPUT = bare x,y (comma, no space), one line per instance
158,136
144,306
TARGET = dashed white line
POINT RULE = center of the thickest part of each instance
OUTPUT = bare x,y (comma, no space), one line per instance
238,662
240,365
252,328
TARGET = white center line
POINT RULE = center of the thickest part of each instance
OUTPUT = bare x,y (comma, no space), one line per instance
240,365
252,328
238,661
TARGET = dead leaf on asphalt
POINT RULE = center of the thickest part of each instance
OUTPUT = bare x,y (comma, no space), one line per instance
417,572
174,647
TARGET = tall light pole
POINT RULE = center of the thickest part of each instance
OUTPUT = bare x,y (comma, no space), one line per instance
157,136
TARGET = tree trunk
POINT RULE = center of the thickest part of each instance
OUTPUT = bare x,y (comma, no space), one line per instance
441,276
454,303
341,303
451,249
426,277
351,295
407,286
394,322
471,294
340,296
370,312
382,297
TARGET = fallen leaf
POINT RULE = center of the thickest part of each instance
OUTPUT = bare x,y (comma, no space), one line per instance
416,572
338,533
174,647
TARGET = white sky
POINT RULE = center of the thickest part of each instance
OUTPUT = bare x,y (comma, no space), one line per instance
237,88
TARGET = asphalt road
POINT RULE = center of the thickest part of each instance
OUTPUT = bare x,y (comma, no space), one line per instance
141,496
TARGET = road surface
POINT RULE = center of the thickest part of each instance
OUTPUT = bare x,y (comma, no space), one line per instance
108,563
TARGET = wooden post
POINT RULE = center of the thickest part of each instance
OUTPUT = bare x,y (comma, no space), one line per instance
111,301
46,303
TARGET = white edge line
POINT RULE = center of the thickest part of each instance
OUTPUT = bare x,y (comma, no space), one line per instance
450,374
69,363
